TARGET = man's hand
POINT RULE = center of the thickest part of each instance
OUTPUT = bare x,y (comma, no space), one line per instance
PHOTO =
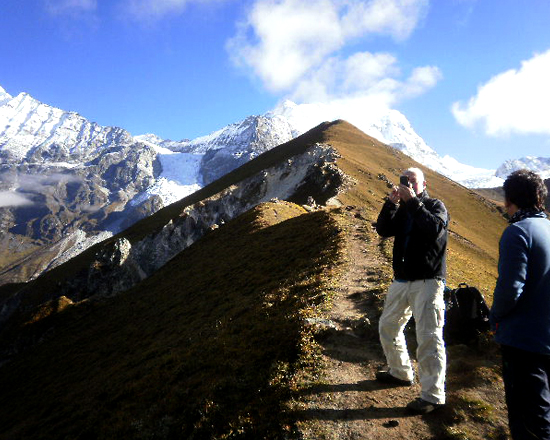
406,193
394,195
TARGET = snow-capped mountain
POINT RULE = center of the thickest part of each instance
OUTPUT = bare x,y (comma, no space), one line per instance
237,143
229,147
62,175
391,127
64,181
540,165
34,132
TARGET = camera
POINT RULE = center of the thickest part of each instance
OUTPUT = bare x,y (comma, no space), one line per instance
404,180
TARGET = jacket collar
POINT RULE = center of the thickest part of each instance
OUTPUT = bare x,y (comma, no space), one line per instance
522,214
423,196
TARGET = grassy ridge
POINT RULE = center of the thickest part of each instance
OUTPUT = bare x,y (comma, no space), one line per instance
46,286
476,223
205,348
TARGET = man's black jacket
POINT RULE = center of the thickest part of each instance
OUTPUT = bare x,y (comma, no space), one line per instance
420,230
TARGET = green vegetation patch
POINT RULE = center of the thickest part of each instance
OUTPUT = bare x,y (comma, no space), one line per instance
206,348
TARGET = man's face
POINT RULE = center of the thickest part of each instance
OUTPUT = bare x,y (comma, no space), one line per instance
416,184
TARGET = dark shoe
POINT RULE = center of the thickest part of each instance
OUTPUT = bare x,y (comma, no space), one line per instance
386,377
421,406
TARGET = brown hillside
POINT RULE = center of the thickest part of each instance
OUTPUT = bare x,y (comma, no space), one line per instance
222,343
45,287
200,349
497,194
476,224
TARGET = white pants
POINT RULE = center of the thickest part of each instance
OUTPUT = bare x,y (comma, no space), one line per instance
422,299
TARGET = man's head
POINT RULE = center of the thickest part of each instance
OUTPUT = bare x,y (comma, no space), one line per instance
524,189
416,179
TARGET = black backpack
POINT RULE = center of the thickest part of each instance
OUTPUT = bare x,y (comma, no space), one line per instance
466,315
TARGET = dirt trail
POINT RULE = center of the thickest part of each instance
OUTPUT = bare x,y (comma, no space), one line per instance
351,404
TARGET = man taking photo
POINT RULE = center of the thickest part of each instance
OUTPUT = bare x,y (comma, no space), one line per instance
419,225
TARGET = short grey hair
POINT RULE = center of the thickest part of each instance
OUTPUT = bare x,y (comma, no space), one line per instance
417,172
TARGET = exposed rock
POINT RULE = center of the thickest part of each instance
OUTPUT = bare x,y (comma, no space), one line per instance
118,265
92,198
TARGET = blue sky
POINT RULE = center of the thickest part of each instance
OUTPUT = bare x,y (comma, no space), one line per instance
472,76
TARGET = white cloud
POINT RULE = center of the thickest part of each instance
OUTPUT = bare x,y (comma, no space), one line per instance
32,183
11,198
359,74
283,39
421,80
154,10
515,101
294,47
363,75
364,70
396,18
70,7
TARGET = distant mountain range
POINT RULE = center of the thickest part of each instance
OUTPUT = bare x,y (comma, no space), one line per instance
67,183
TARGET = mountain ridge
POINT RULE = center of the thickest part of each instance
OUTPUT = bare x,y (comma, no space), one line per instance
81,182
223,339
177,226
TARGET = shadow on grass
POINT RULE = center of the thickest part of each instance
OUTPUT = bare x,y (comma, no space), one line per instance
372,413
205,348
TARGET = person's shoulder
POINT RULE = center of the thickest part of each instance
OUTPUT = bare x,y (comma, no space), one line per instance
515,231
534,225
432,202
537,220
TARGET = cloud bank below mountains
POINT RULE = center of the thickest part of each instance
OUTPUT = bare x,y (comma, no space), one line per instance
13,199
24,186
516,101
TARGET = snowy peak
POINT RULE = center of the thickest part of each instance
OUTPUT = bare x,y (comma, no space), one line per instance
41,133
233,145
255,133
4,96
388,126
540,165
154,140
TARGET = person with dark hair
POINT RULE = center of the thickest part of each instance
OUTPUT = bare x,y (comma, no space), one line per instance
419,225
520,314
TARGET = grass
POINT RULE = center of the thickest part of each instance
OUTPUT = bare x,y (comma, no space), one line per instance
476,223
206,348
46,287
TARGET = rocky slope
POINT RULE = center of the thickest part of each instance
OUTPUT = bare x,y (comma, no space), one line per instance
63,180
288,172
303,170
